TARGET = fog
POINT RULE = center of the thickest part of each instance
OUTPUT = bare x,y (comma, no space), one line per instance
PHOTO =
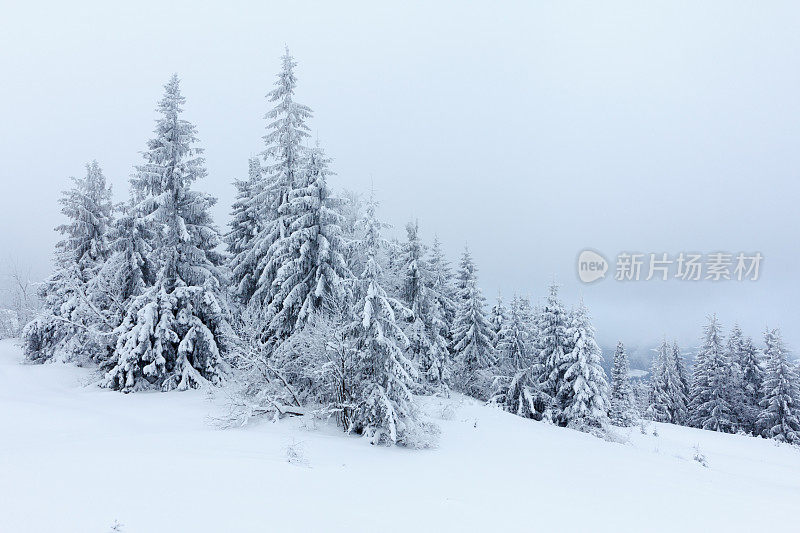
528,131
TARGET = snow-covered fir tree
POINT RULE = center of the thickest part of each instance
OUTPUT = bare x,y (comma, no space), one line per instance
555,344
385,409
435,364
393,266
780,414
527,317
427,330
175,334
667,393
243,229
682,391
412,289
442,286
414,269
89,209
751,382
658,408
129,270
70,312
497,317
473,339
583,392
517,385
622,410
514,347
285,160
521,393
709,405
312,266
352,229
733,372
465,273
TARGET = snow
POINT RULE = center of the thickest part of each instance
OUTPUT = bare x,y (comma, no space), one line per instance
77,458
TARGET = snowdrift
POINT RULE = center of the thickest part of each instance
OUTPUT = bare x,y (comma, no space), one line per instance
75,458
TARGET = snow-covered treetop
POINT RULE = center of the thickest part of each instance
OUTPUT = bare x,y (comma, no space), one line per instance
287,128
161,187
89,210
171,156
466,270
416,269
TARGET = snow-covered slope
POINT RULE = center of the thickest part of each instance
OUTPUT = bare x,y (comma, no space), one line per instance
74,458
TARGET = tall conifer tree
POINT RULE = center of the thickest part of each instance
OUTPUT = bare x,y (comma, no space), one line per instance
623,402
709,406
176,333
285,160
780,414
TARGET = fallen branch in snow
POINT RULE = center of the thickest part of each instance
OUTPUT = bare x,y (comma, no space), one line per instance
241,410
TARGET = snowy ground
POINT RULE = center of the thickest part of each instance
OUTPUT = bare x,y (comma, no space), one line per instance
74,458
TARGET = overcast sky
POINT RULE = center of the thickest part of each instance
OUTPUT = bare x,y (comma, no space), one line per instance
529,130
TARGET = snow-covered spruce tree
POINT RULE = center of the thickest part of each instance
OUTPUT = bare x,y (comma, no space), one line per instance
517,386
353,213
352,229
780,414
129,270
393,268
285,161
623,411
437,366
413,271
243,229
555,344
127,273
442,286
426,332
176,333
385,409
752,378
522,394
709,405
473,339
514,349
497,318
682,385
583,393
312,266
465,273
89,208
70,317
658,405
667,396
528,319
734,348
